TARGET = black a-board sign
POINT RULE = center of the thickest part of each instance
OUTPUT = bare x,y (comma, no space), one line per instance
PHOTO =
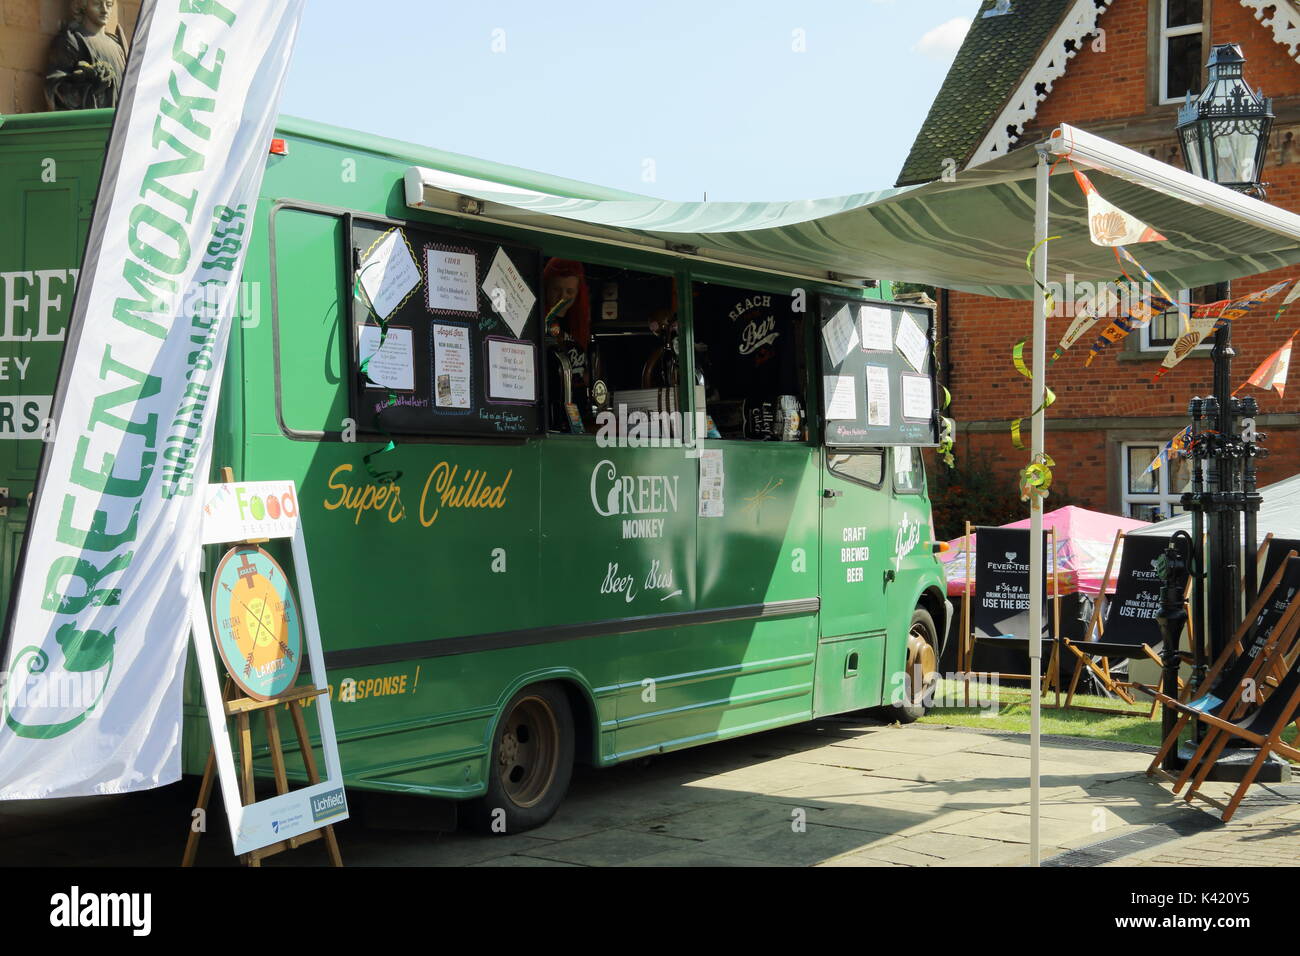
877,373
446,332
1001,586
1131,611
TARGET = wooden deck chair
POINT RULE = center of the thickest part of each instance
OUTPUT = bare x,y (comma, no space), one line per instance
1242,672
1261,726
1128,628
1271,553
995,600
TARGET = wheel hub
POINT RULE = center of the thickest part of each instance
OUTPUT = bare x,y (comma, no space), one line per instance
920,664
528,747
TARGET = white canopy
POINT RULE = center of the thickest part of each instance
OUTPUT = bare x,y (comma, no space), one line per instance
970,234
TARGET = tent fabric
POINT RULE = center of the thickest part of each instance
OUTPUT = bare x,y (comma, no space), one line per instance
1279,512
971,234
1083,542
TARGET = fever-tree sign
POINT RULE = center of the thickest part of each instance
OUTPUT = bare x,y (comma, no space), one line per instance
95,643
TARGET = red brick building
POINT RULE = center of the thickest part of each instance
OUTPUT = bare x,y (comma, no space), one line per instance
1118,68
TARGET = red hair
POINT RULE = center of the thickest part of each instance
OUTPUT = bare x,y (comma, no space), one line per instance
578,318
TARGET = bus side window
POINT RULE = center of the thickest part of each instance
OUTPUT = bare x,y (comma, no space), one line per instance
865,467
614,345
909,470
749,348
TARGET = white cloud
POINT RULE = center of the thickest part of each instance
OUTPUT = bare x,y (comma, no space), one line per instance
943,42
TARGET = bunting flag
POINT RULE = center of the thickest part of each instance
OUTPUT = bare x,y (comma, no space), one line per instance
1205,319
1155,284
1272,371
1172,447
1139,315
1109,225
1086,316
1290,297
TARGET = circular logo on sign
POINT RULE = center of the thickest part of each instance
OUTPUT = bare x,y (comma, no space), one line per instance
256,623
600,392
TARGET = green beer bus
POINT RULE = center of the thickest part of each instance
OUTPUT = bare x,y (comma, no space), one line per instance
567,498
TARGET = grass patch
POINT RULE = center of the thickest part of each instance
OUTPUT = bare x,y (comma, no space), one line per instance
1012,714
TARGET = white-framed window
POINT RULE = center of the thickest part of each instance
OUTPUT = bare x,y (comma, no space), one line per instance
1181,54
1152,495
1163,330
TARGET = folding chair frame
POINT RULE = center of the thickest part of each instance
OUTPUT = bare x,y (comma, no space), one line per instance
966,649
1120,688
1266,660
1268,743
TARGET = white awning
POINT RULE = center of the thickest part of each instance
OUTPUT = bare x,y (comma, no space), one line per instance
971,234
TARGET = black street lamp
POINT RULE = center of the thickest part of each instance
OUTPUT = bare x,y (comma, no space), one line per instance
1224,134
1224,131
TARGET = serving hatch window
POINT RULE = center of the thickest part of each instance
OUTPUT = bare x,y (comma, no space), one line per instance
877,373
445,332
611,349
749,354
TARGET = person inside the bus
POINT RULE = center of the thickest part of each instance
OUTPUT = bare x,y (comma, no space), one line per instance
621,354
567,312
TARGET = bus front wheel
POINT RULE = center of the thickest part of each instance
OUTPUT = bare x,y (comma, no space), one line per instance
532,761
921,668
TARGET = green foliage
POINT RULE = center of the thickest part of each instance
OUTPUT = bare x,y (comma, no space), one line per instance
903,288
975,491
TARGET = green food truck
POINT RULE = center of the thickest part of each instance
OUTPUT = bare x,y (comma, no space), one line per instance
570,494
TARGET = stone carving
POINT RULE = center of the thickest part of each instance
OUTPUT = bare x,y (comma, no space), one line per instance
86,62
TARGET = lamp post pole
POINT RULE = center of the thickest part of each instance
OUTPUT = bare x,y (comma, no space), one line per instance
1224,135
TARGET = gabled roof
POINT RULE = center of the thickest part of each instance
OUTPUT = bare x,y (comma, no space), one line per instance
1006,67
997,53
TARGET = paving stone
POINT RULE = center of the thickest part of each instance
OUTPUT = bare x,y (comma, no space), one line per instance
947,846
693,857
892,820
912,741
514,860
782,846
608,848
706,823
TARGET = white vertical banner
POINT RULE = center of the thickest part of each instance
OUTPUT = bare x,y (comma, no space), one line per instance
100,615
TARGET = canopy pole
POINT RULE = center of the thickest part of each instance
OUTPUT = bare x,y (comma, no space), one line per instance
1037,385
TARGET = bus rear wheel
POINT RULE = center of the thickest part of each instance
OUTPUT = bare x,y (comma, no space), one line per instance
531,762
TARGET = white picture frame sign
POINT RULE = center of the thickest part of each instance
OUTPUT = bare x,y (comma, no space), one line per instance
228,518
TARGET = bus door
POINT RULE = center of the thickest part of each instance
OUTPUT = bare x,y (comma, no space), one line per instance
857,560
878,405
46,216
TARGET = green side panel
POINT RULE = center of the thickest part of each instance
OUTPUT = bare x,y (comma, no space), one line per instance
47,190
850,673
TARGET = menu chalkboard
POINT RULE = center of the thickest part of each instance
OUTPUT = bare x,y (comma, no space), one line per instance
877,373
446,334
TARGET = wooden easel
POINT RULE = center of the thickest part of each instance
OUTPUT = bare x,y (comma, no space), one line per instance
242,709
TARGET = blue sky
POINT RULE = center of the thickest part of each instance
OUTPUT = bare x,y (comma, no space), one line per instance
706,96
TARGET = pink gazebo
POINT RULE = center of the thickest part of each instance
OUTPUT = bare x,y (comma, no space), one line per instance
1083,542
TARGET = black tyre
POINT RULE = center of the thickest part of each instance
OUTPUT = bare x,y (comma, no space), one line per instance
532,762
920,670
